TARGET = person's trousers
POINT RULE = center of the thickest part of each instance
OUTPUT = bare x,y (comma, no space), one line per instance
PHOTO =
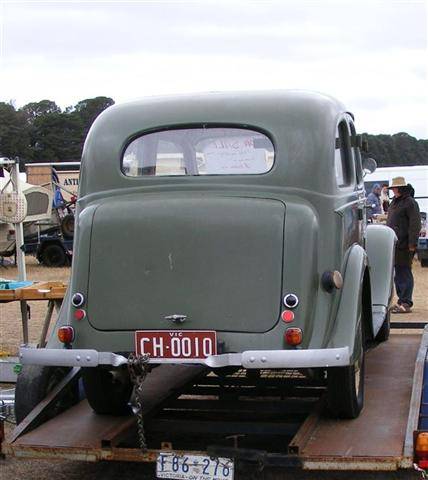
403,280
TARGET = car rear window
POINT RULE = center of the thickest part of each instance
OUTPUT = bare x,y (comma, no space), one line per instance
199,151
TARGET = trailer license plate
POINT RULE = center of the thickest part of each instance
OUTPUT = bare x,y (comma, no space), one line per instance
193,467
176,344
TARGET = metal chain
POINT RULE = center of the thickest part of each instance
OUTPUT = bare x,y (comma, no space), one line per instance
138,369
420,470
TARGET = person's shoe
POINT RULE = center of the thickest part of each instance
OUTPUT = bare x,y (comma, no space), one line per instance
403,308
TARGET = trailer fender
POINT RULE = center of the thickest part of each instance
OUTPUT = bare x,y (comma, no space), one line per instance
354,305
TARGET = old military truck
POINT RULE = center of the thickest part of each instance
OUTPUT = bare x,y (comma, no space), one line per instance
224,229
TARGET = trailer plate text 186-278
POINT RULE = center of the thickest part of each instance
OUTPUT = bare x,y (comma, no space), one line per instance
193,467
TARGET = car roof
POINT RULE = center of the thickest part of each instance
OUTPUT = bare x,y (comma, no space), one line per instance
301,125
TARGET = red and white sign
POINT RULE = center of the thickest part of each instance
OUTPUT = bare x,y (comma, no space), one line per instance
176,344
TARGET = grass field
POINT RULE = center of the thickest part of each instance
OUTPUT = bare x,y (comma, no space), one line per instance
10,316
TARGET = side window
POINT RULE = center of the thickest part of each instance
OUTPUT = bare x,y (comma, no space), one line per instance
343,156
356,154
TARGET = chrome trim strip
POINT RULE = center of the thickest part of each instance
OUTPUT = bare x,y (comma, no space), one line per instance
69,358
326,357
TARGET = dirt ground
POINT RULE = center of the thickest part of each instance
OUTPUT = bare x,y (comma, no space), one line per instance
10,315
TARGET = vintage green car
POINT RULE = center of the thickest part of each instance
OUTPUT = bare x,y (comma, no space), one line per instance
225,229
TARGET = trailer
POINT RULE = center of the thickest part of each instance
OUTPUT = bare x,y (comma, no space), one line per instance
196,421
52,249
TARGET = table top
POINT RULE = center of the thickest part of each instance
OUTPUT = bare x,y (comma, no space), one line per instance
35,291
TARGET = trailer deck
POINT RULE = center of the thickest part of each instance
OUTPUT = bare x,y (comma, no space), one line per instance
274,420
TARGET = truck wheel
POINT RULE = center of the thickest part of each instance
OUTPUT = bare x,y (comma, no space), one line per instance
108,390
53,255
345,389
383,334
33,384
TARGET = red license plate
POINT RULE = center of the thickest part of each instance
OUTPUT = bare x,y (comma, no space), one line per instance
183,344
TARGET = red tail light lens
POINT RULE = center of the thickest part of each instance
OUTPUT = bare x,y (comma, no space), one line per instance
287,316
293,336
66,334
79,314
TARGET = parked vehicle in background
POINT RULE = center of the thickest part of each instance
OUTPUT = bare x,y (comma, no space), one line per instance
416,175
52,241
67,176
226,230
39,206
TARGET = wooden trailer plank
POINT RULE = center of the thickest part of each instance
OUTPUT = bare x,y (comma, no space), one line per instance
80,427
380,430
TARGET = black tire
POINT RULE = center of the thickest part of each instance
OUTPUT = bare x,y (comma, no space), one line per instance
383,334
67,226
53,255
345,390
424,262
108,390
34,382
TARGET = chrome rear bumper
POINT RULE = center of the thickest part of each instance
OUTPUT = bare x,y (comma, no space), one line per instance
327,357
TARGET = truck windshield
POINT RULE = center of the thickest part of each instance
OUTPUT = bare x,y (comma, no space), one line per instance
199,151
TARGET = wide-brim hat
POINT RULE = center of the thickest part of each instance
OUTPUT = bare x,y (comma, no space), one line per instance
398,182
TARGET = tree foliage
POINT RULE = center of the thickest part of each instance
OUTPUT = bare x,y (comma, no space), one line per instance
36,109
41,132
14,135
89,109
396,150
56,136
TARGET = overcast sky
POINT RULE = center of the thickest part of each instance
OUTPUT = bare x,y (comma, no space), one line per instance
371,55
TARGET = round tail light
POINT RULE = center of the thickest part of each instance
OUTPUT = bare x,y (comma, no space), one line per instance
66,334
287,316
79,314
293,336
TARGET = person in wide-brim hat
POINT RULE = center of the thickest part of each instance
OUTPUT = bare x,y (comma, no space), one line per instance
404,218
398,182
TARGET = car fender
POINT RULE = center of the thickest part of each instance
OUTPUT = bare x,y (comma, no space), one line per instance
356,283
380,247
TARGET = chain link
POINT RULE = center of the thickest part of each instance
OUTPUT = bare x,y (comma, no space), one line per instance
420,470
138,369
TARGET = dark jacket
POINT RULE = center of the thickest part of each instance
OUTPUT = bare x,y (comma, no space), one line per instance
404,218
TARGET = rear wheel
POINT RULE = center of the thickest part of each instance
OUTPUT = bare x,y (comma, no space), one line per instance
424,262
108,390
345,390
34,383
345,386
67,226
383,334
